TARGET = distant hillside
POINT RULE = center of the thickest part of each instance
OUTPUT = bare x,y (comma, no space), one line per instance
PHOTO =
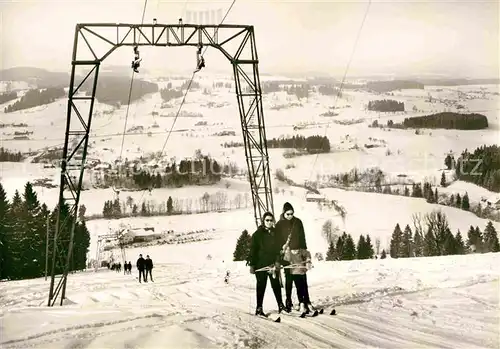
35,97
458,82
41,77
391,85
113,89
117,70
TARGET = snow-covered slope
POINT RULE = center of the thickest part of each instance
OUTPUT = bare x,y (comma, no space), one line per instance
438,302
445,302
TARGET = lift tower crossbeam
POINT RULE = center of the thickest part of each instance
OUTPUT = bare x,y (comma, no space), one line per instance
93,43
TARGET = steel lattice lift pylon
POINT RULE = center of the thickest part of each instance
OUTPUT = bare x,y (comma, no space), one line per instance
237,44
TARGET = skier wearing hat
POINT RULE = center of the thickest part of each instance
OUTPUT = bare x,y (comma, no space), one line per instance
294,252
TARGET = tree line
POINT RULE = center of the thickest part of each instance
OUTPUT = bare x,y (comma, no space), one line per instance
114,90
432,236
339,247
482,167
7,97
36,97
23,234
169,93
216,202
391,85
371,180
313,144
446,120
200,171
298,90
344,249
386,105
8,156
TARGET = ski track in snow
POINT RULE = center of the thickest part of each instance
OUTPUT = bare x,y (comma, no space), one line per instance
428,303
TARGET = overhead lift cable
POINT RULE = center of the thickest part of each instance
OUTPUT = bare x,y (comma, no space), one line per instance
342,82
130,89
189,85
185,93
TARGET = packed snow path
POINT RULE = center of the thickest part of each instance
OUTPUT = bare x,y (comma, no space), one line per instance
443,302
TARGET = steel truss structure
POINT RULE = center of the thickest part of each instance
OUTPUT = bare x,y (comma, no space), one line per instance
237,44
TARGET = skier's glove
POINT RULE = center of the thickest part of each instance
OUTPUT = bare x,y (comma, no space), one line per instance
309,265
277,265
252,270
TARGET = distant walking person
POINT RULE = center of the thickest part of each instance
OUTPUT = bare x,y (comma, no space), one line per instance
129,267
141,264
149,268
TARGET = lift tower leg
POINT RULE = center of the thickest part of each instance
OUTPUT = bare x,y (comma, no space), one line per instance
81,98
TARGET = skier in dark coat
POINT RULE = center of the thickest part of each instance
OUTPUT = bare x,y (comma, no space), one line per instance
291,230
141,264
265,252
149,267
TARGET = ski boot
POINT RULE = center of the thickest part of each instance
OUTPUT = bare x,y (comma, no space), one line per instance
281,307
304,309
289,306
260,312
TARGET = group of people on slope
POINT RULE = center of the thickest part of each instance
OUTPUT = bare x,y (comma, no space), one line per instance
281,245
127,267
145,267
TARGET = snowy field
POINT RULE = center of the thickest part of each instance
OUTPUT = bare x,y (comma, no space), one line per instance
439,302
397,152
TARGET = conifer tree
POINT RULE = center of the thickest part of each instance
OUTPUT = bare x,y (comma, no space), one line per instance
339,248
417,191
4,232
460,243
407,191
443,179
81,213
396,242
474,241
369,247
349,249
430,247
242,250
15,239
361,249
490,238
33,224
170,205
383,255
406,243
450,244
63,237
465,205
448,162
479,234
330,254
81,245
451,201
418,244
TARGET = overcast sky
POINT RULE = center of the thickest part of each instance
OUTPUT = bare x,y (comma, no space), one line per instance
459,38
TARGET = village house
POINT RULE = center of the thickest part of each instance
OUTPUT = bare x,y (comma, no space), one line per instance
140,235
313,197
494,201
